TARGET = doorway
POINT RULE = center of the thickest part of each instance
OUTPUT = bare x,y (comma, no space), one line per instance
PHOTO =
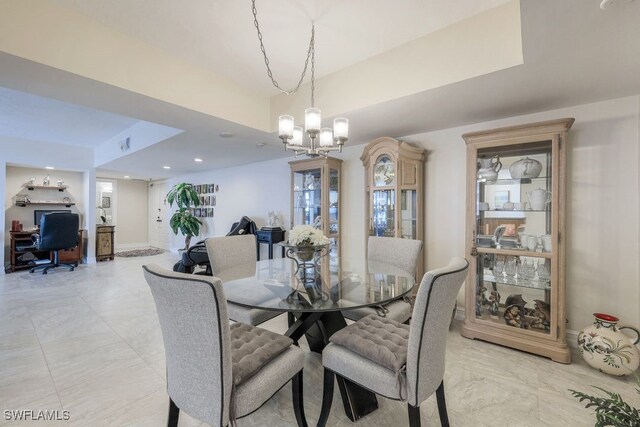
159,215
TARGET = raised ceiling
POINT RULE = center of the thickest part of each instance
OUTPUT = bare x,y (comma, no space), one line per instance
573,53
219,34
32,117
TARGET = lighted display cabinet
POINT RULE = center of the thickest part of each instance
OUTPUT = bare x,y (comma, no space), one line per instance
515,291
394,190
315,196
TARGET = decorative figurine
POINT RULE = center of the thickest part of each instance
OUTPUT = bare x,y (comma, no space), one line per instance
494,303
512,316
309,182
515,299
46,181
542,315
272,219
60,183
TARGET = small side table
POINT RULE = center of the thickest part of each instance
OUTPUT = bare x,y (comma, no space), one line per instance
105,242
270,237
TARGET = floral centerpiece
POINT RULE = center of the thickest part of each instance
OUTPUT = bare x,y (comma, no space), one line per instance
307,240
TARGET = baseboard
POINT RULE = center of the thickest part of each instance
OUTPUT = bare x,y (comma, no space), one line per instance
128,246
572,336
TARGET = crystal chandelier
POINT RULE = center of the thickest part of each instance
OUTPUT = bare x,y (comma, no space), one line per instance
322,140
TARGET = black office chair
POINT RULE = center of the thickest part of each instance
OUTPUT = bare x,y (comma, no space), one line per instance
58,231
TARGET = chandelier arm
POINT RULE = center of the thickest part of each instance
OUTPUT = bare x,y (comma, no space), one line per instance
310,54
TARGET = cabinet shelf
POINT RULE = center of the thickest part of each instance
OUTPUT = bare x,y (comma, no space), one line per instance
518,283
515,252
44,202
514,210
45,187
516,181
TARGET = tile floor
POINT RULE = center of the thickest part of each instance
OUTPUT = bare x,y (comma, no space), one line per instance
89,342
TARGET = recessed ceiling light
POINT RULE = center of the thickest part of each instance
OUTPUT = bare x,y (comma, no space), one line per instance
127,177
49,167
226,134
197,160
166,167
260,144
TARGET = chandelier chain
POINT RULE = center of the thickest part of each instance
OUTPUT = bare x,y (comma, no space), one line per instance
310,54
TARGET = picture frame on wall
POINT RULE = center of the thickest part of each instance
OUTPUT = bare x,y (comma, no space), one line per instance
197,212
216,188
210,212
106,202
213,201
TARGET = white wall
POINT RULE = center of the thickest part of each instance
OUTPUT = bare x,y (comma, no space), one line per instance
250,190
603,225
16,151
16,177
132,213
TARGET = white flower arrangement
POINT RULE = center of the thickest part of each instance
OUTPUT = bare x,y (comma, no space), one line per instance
307,235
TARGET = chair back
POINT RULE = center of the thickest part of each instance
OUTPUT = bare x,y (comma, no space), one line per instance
195,329
59,230
429,328
401,253
230,252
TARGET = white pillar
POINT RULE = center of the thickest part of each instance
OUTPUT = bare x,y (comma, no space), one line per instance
89,223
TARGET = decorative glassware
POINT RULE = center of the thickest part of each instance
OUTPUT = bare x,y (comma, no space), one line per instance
543,269
510,268
498,268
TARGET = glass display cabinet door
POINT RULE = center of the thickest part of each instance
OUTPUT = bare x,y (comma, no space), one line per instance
408,214
307,197
333,222
383,201
515,227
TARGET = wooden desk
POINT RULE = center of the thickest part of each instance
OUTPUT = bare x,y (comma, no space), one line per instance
19,238
270,237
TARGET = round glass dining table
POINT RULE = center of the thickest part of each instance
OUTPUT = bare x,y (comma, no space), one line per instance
314,294
331,285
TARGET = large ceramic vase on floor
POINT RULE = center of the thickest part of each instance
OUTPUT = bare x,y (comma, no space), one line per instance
605,348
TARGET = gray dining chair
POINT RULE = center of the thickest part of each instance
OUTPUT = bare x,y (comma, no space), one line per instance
217,373
395,360
233,257
400,253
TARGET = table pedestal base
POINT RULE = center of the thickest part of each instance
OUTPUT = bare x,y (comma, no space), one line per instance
318,327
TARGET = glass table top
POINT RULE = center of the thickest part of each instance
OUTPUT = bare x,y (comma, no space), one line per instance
334,284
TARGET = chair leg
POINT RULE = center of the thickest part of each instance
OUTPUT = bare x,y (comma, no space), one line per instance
442,406
414,415
298,399
327,398
174,414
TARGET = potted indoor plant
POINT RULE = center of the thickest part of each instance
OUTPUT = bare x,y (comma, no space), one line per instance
186,198
611,410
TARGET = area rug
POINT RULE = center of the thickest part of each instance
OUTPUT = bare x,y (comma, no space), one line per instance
140,252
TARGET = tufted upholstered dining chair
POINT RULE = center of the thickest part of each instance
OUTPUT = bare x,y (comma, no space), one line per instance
401,253
399,361
217,373
233,257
